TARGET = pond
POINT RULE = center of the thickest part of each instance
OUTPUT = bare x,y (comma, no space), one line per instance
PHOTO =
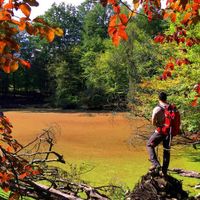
102,142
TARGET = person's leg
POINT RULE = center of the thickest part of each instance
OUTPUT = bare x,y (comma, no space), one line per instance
154,141
166,153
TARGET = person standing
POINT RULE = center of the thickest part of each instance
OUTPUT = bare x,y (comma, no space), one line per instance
158,120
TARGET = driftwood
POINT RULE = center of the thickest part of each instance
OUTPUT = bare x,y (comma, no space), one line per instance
186,173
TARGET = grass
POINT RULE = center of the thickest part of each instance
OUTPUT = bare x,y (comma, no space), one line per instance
98,141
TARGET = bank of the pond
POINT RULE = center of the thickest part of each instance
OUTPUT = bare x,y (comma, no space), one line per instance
100,140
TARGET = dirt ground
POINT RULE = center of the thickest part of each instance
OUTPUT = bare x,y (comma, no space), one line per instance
81,134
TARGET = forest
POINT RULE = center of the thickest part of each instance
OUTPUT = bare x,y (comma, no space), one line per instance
98,56
84,70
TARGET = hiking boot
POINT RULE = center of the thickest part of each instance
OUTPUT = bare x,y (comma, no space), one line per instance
153,167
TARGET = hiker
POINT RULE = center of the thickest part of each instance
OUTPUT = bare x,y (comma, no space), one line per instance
162,119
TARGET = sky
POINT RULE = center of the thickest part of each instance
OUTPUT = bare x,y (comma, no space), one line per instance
44,5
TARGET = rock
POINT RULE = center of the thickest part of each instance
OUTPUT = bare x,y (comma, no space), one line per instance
156,187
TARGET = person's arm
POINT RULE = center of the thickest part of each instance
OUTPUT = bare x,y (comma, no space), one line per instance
154,117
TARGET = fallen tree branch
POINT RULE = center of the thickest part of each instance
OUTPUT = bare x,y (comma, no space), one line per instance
185,173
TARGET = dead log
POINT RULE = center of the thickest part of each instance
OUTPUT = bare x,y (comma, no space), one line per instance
186,173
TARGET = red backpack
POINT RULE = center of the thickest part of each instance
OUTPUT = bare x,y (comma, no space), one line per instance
172,121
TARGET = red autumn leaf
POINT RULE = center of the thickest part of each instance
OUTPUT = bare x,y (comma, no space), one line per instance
22,176
6,69
123,19
35,172
159,38
25,8
113,2
2,46
4,177
122,33
25,63
173,17
170,65
150,15
195,7
116,8
164,76
116,39
189,42
111,30
195,102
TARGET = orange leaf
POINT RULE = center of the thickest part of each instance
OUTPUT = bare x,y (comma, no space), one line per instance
166,15
26,9
22,25
186,18
25,63
188,6
115,39
5,15
14,66
173,17
2,46
50,34
8,6
123,18
9,149
122,33
113,20
15,22
111,30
